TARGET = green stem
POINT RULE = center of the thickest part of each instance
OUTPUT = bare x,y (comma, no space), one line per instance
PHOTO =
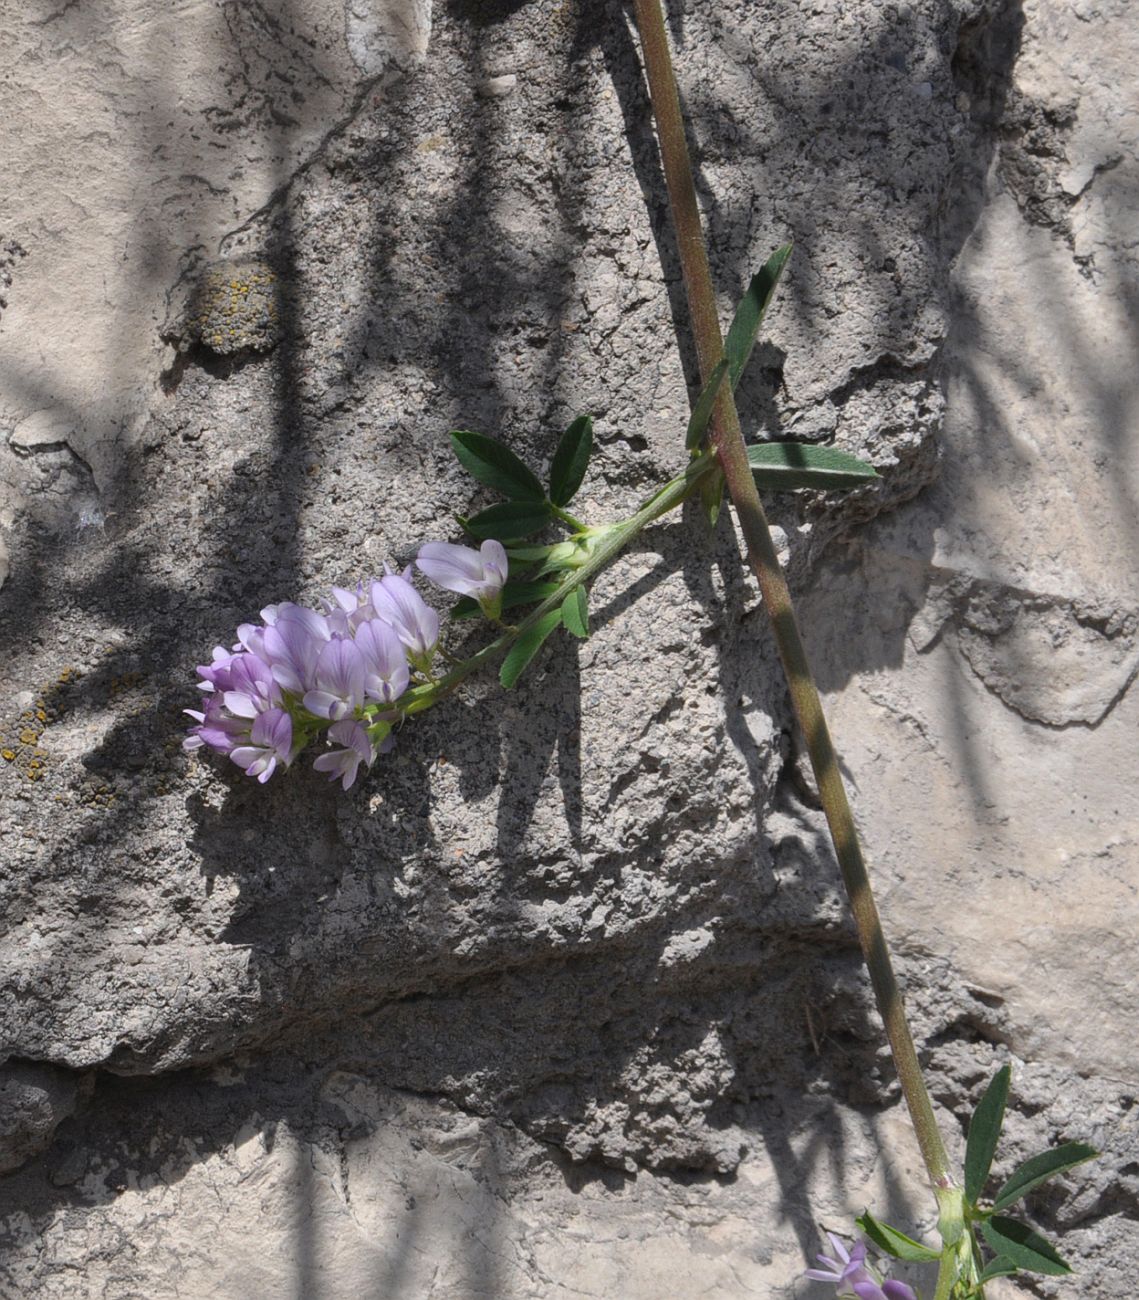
946,1274
727,440
567,518
612,540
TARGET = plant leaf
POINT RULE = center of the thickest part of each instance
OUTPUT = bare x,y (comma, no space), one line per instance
781,466
575,612
1034,1171
526,647
513,595
570,460
749,314
894,1242
1002,1266
493,463
984,1129
705,404
712,496
508,521
1025,1248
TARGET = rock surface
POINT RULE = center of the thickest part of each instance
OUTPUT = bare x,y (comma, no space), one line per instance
564,998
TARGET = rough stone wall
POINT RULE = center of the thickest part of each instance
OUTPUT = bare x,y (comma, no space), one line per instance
563,999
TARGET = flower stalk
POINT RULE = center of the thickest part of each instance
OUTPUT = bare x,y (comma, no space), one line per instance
728,445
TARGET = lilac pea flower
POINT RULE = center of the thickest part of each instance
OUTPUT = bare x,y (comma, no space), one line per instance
851,1274
480,573
270,743
338,682
292,645
216,676
216,729
343,764
398,604
347,609
385,664
253,689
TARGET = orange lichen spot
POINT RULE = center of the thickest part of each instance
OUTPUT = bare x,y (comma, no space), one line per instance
28,736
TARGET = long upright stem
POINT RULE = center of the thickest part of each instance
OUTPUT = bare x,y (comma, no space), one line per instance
728,443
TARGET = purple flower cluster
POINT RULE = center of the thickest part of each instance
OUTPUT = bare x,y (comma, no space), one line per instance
853,1276
340,670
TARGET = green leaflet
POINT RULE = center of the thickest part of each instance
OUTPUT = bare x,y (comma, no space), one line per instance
894,1242
984,1130
1026,1249
509,521
749,314
575,612
1034,1171
705,404
527,646
571,459
493,463
781,466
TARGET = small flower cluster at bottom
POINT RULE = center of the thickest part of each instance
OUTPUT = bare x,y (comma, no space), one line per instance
340,670
853,1276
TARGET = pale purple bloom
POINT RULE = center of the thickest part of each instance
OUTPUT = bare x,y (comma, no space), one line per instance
292,645
348,609
216,728
852,1276
398,604
480,573
271,741
343,764
216,676
252,688
338,681
385,664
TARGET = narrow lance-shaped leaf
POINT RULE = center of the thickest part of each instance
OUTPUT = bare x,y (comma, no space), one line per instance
571,459
575,613
999,1267
749,314
712,496
781,466
1034,1171
513,595
894,1242
705,404
527,646
1026,1249
493,463
984,1130
508,521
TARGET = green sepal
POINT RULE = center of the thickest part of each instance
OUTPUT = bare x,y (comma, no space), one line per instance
493,463
513,595
571,458
1002,1266
575,613
1033,1172
749,314
894,1242
984,1130
705,405
527,646
509,521
783,466
1026,1249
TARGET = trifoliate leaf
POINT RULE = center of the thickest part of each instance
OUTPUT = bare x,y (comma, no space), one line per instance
984,1130
749,314
1034,1171
570,460
1026,1249
493,463
509,521
527,646
575,613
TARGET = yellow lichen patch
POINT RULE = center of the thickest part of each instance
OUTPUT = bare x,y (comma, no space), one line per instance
235,308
